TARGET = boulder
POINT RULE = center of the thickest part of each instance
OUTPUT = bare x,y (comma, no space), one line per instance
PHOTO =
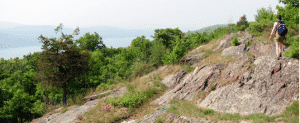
191,58
152,117
225,42
93,97
191,84
184,119
172,80
234,50
244,40
169,118
265,49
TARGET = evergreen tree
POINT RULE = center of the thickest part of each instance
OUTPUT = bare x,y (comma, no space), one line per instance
62,62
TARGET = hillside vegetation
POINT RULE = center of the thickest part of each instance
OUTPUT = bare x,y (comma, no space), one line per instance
24,98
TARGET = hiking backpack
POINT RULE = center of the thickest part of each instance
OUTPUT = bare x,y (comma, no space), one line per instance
282,30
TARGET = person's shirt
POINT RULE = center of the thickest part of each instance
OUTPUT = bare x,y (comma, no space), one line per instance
274,30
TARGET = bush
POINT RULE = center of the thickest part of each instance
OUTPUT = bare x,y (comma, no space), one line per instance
242,24
208,111
104,86
209,51
293,52
140,68
255,29
235,41
159,84
178,51
39,107
188,68
249,43
213,87
134,99
264,14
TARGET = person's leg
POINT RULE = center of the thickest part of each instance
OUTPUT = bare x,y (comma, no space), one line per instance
277,49
277,46
281,40
280,49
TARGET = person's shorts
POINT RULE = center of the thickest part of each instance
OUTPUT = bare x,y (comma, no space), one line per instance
280,38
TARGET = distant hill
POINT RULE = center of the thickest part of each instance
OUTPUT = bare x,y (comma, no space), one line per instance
6,25
18,35
209,29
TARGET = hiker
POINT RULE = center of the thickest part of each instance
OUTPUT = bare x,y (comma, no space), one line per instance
280,31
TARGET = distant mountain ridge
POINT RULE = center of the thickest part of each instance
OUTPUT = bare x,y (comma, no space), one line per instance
209,29
5,24
18,35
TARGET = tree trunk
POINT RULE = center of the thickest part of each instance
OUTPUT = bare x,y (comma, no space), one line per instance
64,94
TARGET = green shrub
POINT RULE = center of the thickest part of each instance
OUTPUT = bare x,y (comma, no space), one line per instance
39,107
249,43
159,84
293,52
235,41
133,99
130,87
103,87
207,51
140,68
265,14
188,68
178,51
255,29
64,110
159,120
213,87
242,24
208,111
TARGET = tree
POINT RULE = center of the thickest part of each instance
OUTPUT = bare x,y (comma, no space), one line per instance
59,68
167,36
91,42
264,14
242,24
293,2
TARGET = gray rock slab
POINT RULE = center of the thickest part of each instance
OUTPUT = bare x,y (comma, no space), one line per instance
264,91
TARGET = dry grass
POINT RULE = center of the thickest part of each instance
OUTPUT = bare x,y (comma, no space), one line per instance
104,112
209,45
110,113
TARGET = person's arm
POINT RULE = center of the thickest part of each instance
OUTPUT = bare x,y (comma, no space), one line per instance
274,29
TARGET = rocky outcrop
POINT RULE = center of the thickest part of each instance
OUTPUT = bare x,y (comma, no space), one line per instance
172,80
260,83
225,42
183,119
152,117
192,83
264,49
268,90
191,58
71,115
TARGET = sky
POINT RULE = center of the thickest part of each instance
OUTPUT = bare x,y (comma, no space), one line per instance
131,14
